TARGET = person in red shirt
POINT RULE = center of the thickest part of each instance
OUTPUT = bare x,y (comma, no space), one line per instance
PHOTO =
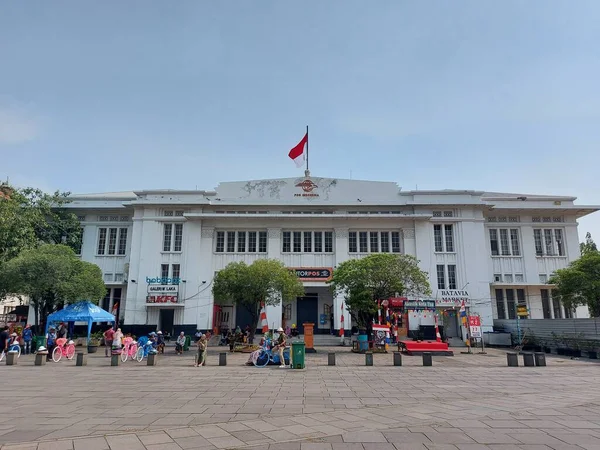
108,341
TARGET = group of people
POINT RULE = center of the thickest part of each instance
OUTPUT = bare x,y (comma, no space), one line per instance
22,339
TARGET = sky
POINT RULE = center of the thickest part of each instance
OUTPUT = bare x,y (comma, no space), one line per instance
123,95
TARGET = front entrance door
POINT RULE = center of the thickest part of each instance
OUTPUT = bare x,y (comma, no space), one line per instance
307,310
451,325
166,320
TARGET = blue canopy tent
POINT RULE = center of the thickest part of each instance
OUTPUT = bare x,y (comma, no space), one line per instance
83,311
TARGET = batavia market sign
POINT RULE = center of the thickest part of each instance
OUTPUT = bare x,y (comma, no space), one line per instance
450,298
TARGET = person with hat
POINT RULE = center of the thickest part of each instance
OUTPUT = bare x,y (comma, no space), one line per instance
180,343
160,342
202,349
280,347
27,338
50,342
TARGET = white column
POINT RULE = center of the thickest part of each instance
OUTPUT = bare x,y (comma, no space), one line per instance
341,255
274,312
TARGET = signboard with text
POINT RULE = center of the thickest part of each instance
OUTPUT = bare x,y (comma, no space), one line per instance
313,273
419,305
158,299
162,293
452,298
475,326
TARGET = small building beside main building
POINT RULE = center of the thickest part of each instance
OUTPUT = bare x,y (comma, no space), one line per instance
159,250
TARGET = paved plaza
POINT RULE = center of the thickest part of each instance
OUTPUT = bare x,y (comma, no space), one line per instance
466,402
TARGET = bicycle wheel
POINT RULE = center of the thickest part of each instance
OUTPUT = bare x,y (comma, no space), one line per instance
2,355
18,349
124,354
133,348
70,351
262,359
56,354
139,355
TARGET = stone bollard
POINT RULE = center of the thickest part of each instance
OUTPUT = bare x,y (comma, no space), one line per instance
427,359
369,359
397,359
540,359
40,359
512,359
115,360
331,359
81,359
11,358
222,359
528,360
152,359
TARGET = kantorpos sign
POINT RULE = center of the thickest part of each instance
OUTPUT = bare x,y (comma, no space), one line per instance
313,273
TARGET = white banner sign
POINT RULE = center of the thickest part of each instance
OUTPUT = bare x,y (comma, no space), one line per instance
163,289
448,298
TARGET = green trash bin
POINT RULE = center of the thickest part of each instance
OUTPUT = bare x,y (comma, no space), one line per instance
186,346
298,352
38,341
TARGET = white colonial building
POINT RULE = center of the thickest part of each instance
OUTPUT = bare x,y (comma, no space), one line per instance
159,250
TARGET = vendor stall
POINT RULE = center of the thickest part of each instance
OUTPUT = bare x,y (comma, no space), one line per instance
83,311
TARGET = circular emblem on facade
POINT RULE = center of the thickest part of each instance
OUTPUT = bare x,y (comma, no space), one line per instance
307,185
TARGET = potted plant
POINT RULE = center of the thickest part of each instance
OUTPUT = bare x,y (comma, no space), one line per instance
558,342
94,342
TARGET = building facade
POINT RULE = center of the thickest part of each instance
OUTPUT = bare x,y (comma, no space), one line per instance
159,250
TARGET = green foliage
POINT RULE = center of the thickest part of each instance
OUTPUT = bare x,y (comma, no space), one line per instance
51,275
589,246
247,286
377,277
579,284
30,217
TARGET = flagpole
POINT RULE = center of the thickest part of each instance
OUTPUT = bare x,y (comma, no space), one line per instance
307,149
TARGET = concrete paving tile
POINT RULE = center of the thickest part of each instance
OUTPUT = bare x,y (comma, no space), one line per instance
164,446
30,446
315,446
211,432
472,447
379,446
177,433
154,438
193,442
124,442
449,438
280,435
364,437
226,442
285,446
56,445
410,446
92,443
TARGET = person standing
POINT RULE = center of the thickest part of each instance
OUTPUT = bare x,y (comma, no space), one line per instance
202,349
50,342
280,347
117,339
4,338
27,337
109,335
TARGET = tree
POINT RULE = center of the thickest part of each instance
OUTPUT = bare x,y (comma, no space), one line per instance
579,284
588,246
377,277
247,286
30,217
51,275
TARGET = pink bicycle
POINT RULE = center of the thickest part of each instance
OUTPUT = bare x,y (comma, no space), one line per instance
63,348
130,349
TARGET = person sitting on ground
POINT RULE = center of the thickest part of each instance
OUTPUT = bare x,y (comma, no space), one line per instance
280,347
263,341
180,343
201,353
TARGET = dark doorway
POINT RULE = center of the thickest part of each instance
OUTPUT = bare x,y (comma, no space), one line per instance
166,321
307,310
243,317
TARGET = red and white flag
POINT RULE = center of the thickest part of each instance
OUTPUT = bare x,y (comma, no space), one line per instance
297,153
